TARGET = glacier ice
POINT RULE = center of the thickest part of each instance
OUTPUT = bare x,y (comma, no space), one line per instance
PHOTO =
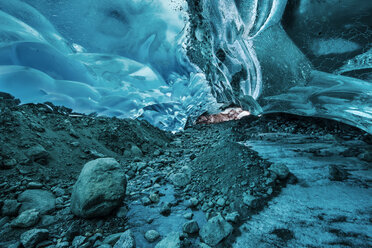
170,61
112,61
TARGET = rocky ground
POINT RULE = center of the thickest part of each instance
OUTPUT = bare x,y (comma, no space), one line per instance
71,180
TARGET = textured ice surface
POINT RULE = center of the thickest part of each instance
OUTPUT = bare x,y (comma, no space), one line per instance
319,212
154,60
120,58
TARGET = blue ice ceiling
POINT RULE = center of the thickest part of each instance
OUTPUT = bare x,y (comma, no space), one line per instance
170,61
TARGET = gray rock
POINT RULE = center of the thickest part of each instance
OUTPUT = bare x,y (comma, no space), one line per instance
250,200
10,208
171,241
136,152
33,237
99,189
126,240
104,246
78,241
151,235
202,245
34,185
64,244
190,227
8,163
12,244
146,201
41,200
221,202
188,215
193,202
232,217
216,229
58,191
112,239
38,154
182,178
27,218
47,220
280,170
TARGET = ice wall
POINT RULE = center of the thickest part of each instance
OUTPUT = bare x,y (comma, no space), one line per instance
115,58
169,61
248,56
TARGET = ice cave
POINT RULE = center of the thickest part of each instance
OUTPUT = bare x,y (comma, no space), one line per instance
185,123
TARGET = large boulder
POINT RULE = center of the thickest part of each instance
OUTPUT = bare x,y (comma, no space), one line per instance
41,200
215,230
99,189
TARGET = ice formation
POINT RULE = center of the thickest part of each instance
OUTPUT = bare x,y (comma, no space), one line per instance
168,62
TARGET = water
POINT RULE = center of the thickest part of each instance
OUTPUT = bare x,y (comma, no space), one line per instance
139,215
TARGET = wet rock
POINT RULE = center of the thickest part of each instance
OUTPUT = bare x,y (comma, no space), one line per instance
8,163
126,240
165,209
99,189
337,173
38,154
155,198
280,170
190,227
10,208
171,241
33,237
146,201
250,200
216,229
232,217
112,239
151,236
27,218
193,202
188,216
104,246
41,200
